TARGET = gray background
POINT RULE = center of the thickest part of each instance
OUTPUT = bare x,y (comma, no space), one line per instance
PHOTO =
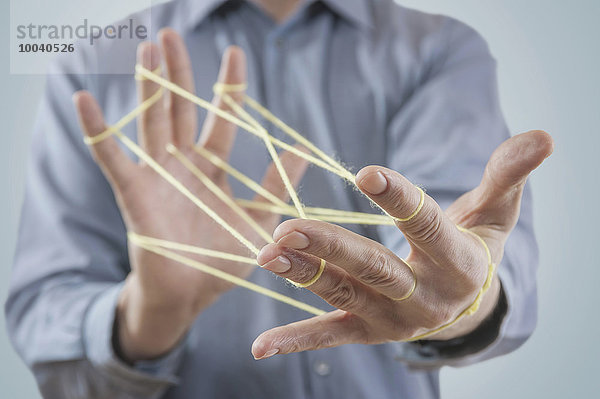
549,61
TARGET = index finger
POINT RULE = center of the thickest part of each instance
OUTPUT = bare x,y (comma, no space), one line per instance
417,215
368,261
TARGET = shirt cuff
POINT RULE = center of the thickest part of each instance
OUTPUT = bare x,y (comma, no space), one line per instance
429,354
143,379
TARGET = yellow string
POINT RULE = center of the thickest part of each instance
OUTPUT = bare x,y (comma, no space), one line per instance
239,176
192,98
161,247
138,239
336,216
184,190
315,277
315,161
150,101
274,156
220,88
231,278
233,119
293,133
216,190
419,207
141,78
474,307
414,284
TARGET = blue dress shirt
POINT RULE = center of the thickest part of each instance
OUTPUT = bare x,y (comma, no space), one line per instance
367,80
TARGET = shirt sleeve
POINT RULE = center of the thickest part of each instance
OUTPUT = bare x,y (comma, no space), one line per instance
70,261
441,138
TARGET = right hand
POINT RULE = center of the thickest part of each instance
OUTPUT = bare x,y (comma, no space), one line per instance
161,298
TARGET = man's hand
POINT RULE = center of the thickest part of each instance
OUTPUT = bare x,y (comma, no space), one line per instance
362,277
161,297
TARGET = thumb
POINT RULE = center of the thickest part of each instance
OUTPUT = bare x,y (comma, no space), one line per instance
513,161
417,215
500,190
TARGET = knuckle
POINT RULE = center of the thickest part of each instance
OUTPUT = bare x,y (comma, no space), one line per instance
379,271
396,199
325,339
292,340
294,345
304,273
332,247
342,294
427,227
311,341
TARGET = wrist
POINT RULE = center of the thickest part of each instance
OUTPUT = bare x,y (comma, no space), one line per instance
145,328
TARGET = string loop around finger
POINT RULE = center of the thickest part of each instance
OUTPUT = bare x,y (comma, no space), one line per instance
220,88
141,78
417,210
414,284
112,130
315,277
474,307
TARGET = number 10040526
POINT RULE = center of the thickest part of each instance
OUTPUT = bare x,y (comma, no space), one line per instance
46,48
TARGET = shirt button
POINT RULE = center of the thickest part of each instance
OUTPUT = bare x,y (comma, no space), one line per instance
279,42
321,368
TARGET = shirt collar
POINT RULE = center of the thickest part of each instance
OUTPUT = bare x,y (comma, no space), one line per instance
195,11
356,11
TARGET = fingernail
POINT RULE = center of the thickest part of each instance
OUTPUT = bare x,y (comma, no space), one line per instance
280,264
268,354
294,240
374,183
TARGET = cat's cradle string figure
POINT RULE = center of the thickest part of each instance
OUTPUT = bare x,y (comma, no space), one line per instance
243,119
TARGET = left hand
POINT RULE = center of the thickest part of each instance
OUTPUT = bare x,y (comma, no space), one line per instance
362,277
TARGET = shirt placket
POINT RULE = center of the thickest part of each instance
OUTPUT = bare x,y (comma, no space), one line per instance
279,101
